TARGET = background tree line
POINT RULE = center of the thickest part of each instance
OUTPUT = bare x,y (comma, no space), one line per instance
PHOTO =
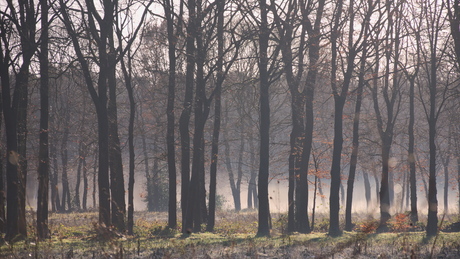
185,95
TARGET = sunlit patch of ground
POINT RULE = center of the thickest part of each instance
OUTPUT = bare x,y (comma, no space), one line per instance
77,235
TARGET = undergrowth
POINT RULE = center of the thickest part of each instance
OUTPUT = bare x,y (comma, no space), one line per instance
78,235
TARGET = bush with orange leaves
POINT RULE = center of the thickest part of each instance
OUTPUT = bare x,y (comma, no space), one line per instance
400,223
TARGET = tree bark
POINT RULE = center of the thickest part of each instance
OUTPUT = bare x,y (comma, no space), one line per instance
172,212
43,155
217,117
264,210
184,119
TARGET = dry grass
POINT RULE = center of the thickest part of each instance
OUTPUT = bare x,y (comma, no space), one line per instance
77,235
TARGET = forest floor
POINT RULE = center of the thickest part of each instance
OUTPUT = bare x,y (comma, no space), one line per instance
77,235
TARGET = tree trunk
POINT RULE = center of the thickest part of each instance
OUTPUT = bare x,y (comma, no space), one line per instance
314,204
172,212
2,183
217,119
99,97
384,186
64,160
78,181
184,119
264,209
85,186
355,141
55,200
117,183
127,73
411,155
43,155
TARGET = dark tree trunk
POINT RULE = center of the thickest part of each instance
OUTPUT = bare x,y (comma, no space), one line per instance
411,156
99,96
252,185
355,141
78,181
217,119
14,108
334,199
184,119
339,102
314,204
432,224
234,183
43,155
64,160
96,162
264,209
85,186
214,159
384,186
2,182
117,182
127,73
55,200
445,162
172,212
148,174
309,90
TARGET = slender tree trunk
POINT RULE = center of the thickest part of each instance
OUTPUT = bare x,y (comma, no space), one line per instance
94,178
117,182
252,186
85,186
264,209
78,181
339,102
64,160
432,224
445,162
355,144
184,119
314,204
217,119
411,156
55,200
14,108
2,182
43,165
127,73
99,97
172,212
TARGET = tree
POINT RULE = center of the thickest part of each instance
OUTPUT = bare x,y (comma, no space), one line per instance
100,29
357,116
14,105
437,96
184,119
301,134
340,91
43,166
264,163
391,92
172,42
412,26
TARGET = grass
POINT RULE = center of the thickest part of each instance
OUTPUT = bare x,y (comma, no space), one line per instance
76,235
